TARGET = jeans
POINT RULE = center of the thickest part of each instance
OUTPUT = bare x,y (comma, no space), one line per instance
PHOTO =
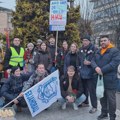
108,103
78,101
2,102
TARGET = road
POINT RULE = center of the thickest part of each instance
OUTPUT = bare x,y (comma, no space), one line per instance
55,113
118,100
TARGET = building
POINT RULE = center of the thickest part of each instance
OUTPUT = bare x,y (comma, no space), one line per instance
5,20
107,20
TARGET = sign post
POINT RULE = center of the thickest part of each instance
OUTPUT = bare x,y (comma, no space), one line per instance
58,16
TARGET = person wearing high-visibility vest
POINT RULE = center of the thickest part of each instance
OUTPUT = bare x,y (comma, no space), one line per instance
14,56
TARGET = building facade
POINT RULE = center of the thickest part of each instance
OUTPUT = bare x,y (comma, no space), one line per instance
5,20
107,20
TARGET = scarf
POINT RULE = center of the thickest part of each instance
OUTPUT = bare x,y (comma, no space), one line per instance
103,50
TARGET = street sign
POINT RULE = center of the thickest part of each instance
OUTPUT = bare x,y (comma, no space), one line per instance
57,28
58,12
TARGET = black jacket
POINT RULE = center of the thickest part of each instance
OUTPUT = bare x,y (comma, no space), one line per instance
76,86
67,61
13,86
43,57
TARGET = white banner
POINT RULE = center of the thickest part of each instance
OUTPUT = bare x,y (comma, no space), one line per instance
43,94
58,12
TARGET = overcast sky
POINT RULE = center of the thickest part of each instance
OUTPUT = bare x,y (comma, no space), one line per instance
8,4
11,3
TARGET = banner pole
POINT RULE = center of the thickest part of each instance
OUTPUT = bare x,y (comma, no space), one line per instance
56,47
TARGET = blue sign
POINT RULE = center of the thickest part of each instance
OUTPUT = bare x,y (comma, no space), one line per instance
57,28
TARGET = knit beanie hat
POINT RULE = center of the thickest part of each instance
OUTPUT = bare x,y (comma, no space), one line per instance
86,37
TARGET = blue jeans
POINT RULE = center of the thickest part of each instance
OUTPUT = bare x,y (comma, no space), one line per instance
2,102
78,101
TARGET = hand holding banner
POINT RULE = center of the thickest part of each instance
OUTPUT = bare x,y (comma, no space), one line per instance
43,94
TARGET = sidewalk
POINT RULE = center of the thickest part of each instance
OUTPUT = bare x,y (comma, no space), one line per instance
55,113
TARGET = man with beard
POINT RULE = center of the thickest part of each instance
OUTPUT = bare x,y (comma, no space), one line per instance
105,63
86,53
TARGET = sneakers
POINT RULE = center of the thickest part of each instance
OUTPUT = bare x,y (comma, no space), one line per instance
75,107
102,116
64,106
93,110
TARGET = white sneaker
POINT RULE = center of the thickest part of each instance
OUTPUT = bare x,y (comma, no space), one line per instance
75,107
64,106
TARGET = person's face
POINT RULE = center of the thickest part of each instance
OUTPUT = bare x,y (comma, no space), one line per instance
43,46
41,69
65,45
104,42
85,42
30,47
52,41
16,41
70,72
17,72
73,48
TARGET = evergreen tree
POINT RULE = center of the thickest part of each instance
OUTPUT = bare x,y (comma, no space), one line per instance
31,19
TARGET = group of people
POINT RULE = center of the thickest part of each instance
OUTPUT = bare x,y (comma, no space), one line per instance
79,69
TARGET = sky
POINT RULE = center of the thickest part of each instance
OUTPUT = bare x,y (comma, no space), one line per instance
10,4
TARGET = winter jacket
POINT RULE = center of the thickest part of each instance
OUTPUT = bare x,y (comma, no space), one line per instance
34,79
67,61
13,86
60,60
86,71
43,57
76,84
51,49
108,62
61,57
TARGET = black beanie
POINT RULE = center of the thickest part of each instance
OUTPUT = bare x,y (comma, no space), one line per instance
86,37
14,69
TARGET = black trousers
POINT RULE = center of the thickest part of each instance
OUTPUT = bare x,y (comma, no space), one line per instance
108,103
89,87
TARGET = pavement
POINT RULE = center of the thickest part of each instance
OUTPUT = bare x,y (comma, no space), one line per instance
55,113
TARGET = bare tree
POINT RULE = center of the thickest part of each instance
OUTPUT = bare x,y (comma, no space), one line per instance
86,11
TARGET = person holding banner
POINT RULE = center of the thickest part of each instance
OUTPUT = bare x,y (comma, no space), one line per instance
36,77
105,63
13,87
71,89
52,50
61,57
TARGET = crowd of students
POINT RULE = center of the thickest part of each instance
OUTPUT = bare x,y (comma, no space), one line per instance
78,71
